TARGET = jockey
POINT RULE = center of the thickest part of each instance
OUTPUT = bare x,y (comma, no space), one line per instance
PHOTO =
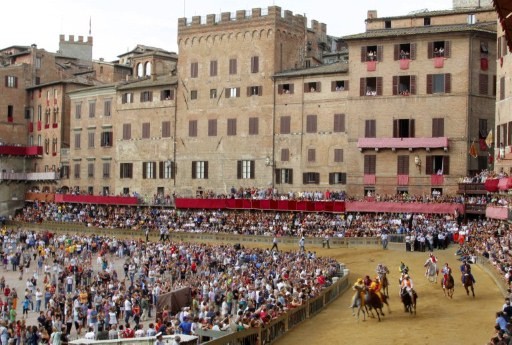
408,285
381,270
357,287
367,281
375,287
431,259
465,268
446,271
403,268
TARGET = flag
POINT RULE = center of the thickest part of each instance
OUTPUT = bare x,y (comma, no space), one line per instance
490,139
90,26
472,150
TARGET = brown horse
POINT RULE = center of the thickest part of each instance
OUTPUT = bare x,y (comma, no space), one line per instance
384,284
467,279
373,301
448,286
408,301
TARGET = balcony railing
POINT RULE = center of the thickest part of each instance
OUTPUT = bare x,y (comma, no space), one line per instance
37,176
472,188
18,150
402,143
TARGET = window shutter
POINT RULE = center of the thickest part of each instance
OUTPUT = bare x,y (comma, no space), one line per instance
346,85
6,81
412,53
441,127
304,178
239,169
277,174
379,86
253,169
248,91
144,170
331,178
161,170
290,176
446,165
429,165
306,88
395,85
413,84
291,88
483,84
260,90
498,136
205,170
447,83
447,50
280,89
363,53
237,92
194,167
395,128
435,128
429,83
333,86
227,92
430,50
411,128
285,155
380,52
362,86
318,86
173,170
499,47
396,52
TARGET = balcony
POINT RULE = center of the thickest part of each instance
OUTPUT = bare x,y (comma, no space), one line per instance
18,150
402,143
472,188
43,176
96,199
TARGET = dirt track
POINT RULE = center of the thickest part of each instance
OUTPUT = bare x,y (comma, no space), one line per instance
439,320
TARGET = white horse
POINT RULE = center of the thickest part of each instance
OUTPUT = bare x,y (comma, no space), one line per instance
432,271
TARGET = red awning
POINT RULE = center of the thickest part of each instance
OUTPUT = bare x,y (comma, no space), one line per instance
491,185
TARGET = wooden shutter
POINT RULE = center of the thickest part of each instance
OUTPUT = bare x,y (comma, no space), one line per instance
446,165
362,86
379,86
429,83
429,166
161,170
290,176
411,128
249,91
318,86
6,81
304,178
280,89
346,85
253,169
237,92
380,53
311,155
396,52
333,85
498,136
331,178
447,83
144,170
338,155
499,47
306,88
412,53
364,53
483,84
173,170
205,169
227,92
277,174
395,85
194,167
239,169
435,127
260,90
395,128
447,50
413,84
430,50
285,155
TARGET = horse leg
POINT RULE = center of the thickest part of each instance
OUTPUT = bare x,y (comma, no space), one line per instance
473,291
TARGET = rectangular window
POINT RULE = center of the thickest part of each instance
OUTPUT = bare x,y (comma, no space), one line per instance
387,24
90,170
232,92
426,21
339,85
148,170
370,129
64,172
404,85
106,169
311,124
90,140
371,86
438,49
285,89
166,129
213,93
402,165
77,140
232,66
483,84
92,109
193,94
370,164
127,97
245,169
437,127
126,170
439,83
255,64
405,51
77,170
200,170
11,81
213,68
339,123
403,128
192,128
313,86
285,123
284,176
194,69
10,113
437,165
166,170
337,178
253,126
502,88
338,155
254,91
167,95
482,127
311,178
106,139
371,53
212,127
494,85
146,96
39,113
311,155
127,131
78,111
231,127
146,130
285,155
107,108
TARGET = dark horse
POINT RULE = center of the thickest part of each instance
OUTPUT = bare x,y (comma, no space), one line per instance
467,279
384,283
372,301
448,286
408,301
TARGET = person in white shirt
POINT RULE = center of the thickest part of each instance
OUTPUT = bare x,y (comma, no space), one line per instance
90,334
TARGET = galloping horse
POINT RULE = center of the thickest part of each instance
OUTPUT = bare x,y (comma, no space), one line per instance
448,286
359,302
409,303
384,283
432,271
467,280
373,301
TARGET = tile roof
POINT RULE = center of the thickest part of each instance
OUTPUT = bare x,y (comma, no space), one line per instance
336,67
437,13
73,80
489,27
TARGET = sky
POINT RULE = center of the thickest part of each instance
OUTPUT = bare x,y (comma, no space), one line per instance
118,26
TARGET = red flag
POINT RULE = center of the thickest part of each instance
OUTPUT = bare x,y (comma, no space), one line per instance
473,151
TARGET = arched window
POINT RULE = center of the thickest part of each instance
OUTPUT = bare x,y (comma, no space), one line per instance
147,68
140,70
39,141
31,140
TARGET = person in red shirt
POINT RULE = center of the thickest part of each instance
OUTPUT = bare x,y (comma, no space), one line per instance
128,332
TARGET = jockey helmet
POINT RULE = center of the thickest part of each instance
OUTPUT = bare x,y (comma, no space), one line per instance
377,278
406,276
359,280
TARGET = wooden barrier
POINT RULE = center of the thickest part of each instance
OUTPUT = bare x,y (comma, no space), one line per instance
487,267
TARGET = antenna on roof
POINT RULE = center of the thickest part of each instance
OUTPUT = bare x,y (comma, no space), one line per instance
90,23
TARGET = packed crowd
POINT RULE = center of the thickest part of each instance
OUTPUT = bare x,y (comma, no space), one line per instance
105,288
